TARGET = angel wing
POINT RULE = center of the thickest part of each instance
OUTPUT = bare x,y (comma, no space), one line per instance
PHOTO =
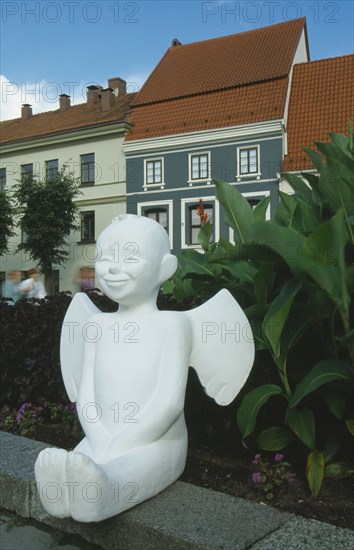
72,341
223,347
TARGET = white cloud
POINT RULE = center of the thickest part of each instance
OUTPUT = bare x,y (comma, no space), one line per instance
44,95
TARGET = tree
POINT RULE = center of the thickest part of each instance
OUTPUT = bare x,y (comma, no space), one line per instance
6,221
47,215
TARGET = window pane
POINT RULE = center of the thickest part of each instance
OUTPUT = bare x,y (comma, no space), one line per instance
195,219
88,168
194,235
209,211
88,225
163,219
199,166
51,169
152,215
153,171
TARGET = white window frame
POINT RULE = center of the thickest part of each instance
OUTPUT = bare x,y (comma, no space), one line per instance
257,174
157,204
216,220
206,180
249,194
161,185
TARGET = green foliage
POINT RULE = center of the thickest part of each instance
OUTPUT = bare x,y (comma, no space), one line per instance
25,420
271,477
47,214
29,348
294,276
6,221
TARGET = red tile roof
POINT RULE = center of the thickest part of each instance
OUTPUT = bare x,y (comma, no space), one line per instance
218,83
322,101
225,62
57,122
245,104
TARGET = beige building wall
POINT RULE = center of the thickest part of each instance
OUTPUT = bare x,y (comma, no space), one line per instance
107,197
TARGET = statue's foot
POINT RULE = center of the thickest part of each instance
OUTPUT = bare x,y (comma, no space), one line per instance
90,488
51,476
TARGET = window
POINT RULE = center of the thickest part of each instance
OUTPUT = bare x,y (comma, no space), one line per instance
191,223
51,169
88,169
153,173
2,179
199,167
157,214
161,211
248,161
26,171
87,278
195,222
24,236
88,226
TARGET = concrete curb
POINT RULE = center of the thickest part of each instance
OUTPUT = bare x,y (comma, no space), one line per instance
183,516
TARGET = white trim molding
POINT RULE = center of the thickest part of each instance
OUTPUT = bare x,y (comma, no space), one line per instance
204,136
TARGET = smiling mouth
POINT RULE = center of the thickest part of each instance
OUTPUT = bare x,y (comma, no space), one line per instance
116,282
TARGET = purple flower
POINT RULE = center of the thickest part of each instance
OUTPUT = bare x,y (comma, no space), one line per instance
278,457
290,477
257,477
257,459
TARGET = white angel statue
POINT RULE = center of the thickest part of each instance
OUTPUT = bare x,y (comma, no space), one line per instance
127,372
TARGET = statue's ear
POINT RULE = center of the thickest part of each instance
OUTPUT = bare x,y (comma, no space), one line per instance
168,267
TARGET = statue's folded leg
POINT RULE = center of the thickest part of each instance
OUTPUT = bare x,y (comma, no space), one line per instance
50,471
100,491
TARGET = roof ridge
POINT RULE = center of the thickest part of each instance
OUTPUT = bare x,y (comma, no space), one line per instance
235,34
325,59
75,105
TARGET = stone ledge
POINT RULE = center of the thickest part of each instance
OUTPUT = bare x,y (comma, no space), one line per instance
183,516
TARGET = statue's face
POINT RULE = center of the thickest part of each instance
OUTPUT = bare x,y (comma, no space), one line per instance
128,264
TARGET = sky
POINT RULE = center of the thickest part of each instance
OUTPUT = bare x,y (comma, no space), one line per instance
62,46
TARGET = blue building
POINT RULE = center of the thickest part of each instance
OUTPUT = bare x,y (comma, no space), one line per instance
215,109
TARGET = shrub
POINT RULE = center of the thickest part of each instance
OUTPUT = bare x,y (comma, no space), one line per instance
294,276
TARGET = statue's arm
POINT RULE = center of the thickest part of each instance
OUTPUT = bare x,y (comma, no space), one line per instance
167,402
72,342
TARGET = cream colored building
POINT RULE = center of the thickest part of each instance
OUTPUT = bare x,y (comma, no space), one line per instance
88,138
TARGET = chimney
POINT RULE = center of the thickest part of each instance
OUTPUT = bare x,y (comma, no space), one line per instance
93,94
26,111
118,85
108,99
64,102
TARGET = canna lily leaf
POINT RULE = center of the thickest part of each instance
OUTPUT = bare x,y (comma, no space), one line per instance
251,404
315,467
323,372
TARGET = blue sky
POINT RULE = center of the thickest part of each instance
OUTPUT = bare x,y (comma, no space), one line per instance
52,47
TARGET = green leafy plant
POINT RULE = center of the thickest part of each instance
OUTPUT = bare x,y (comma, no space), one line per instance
7,212
270,477
294,276
47,214
29,416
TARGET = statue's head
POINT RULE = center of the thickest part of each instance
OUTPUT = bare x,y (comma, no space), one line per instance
133,259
